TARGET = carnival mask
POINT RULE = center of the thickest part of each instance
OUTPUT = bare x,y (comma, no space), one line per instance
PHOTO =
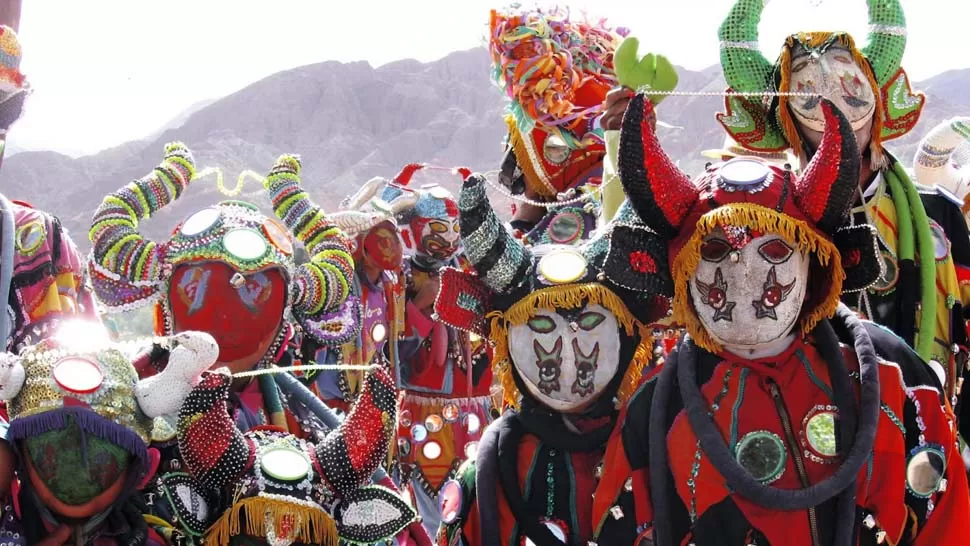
748,288
242,312
832,72
382,246
439,239
566,358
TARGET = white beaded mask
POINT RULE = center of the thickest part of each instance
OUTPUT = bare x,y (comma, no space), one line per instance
834,74
747,291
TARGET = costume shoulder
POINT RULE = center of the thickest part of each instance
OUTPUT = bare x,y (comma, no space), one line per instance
635,424
891,348
944,208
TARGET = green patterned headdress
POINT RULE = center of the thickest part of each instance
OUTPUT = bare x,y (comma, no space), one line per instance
767,125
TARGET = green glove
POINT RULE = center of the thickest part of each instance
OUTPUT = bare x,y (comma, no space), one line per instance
653,71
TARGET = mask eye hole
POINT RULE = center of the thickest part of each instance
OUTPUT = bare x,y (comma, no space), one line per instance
541,325
715,250
775,252
590,320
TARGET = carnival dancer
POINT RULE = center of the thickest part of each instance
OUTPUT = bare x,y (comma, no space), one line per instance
556,72
281,490
227,270
368,222
443,371
781,418
926,254
571,343
80,421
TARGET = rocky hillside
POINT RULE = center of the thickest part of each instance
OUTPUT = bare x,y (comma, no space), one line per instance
351,122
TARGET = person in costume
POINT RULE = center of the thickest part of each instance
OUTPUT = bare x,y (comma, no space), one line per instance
443,371
227,270
556,72
80,423
571,343
781,418
942,156
279,490
923,238
368,222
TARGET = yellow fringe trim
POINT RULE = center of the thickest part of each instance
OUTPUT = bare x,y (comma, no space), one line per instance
878,159
568,296
313,525
765,220
533,179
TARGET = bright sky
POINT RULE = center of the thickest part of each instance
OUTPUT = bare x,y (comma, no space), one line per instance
109,71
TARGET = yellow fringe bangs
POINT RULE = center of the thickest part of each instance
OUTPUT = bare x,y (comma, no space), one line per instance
313,525
812,40
568,296
764,220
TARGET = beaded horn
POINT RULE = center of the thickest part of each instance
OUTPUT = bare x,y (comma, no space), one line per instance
663,195
934,163
751,72
218,454
501,260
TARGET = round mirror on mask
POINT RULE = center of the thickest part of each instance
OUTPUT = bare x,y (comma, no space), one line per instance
566,361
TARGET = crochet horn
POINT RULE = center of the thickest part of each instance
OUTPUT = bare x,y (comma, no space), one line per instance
887,38
825,190
660,193
162,394
364,194
114,229
501,260
331,265
934,164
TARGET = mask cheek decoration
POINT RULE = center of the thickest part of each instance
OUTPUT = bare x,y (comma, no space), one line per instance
835,75
566,362
752,295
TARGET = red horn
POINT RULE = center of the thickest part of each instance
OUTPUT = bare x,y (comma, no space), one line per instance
404,177
825,192
659,191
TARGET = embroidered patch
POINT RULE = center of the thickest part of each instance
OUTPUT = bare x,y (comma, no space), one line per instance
372,514
817,434
637,260
585,368
462,301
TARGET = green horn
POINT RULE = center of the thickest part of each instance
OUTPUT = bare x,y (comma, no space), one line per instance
887,38
746,69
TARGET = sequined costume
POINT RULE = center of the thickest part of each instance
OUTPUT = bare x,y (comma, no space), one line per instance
923,239
571,343
781,418
281,490
80,421
227,270
443,371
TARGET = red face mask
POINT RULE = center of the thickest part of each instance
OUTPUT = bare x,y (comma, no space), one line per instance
242,314
382,246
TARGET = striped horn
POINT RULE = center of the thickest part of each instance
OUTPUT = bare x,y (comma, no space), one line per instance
934,164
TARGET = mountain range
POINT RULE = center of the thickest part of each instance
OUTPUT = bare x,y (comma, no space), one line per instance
351,121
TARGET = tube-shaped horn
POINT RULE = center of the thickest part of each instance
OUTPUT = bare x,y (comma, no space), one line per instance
162,394
826,188
404,177
501,260
118,245
745,68
661,194
214,450
349,455
933,163
406,201
12,376
324,282
364,194
887,38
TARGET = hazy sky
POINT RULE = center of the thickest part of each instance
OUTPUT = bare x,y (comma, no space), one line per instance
108,71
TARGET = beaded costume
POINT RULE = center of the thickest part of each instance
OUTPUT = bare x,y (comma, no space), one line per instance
571,343
781,418
227,270
924,242
280,490
80,421
443,371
